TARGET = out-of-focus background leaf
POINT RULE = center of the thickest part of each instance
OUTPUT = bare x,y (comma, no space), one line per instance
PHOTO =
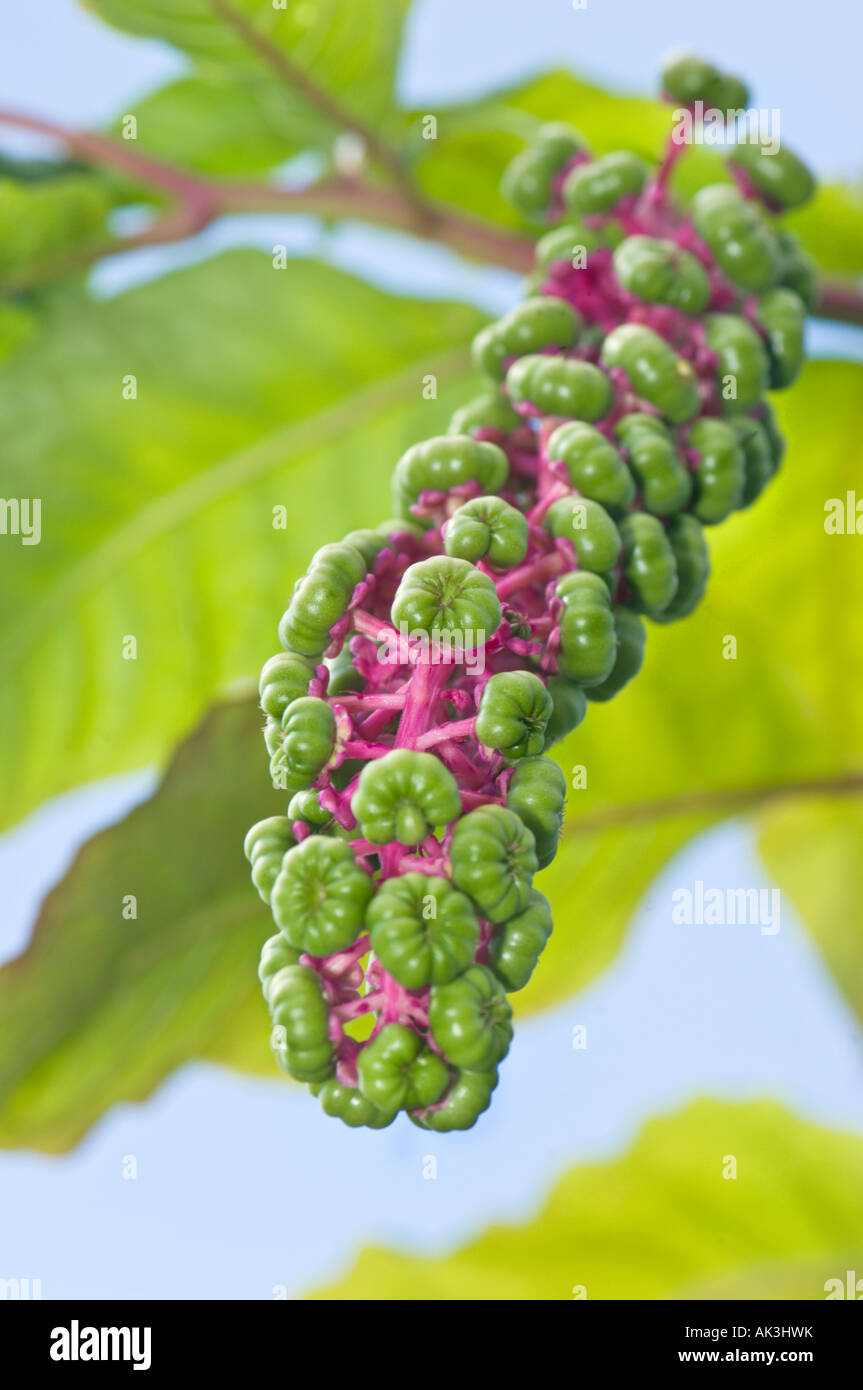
814,851
102,1005
349,50
664,1221
214,123
257,388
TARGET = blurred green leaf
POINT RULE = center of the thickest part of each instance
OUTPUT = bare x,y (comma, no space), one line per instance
42,221
256,389
101,1006
831,228
664,1222
692,721
476,139
812,851
216,123
348,50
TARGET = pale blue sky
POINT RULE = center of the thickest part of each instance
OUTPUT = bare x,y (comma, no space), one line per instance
245,1185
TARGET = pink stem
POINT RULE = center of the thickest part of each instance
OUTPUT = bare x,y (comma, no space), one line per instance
525,575
457,728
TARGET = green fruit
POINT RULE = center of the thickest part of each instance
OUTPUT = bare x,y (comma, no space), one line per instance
559,386
686,537
343,675
799,270
445,462
493,860
654,370
767,418
471,1020
320,896
422,929
744,246
275,955
265,846
542,321
399,525
398,1071
743,365
663,479
487,528
468,1096
304,744
587,637
594,465
514,709
369,544
320,599
284,678
757,456
570,706
516,947
599,185
649,566
631,634
444,594
780,175
491,411
349,1105
305,806
403,795
661,272
300,1017
720,473
537,793
573,244
782,315
594,535
528,180
687,79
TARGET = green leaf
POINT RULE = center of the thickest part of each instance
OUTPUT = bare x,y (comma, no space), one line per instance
663,1222
693,722
46,220
256,389
812,852
216,123
475,141
102,1005
831,228
348,50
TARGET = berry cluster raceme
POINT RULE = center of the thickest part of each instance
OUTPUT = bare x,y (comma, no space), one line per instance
429,664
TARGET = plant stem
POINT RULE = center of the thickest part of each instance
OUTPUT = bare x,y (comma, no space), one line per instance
201,200
296,78
705,802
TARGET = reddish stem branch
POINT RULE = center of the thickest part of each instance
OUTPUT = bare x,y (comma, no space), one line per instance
840,302
200,200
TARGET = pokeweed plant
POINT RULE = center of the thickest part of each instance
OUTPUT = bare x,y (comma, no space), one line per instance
430,663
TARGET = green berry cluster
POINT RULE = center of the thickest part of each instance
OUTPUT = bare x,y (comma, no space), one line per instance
430,663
